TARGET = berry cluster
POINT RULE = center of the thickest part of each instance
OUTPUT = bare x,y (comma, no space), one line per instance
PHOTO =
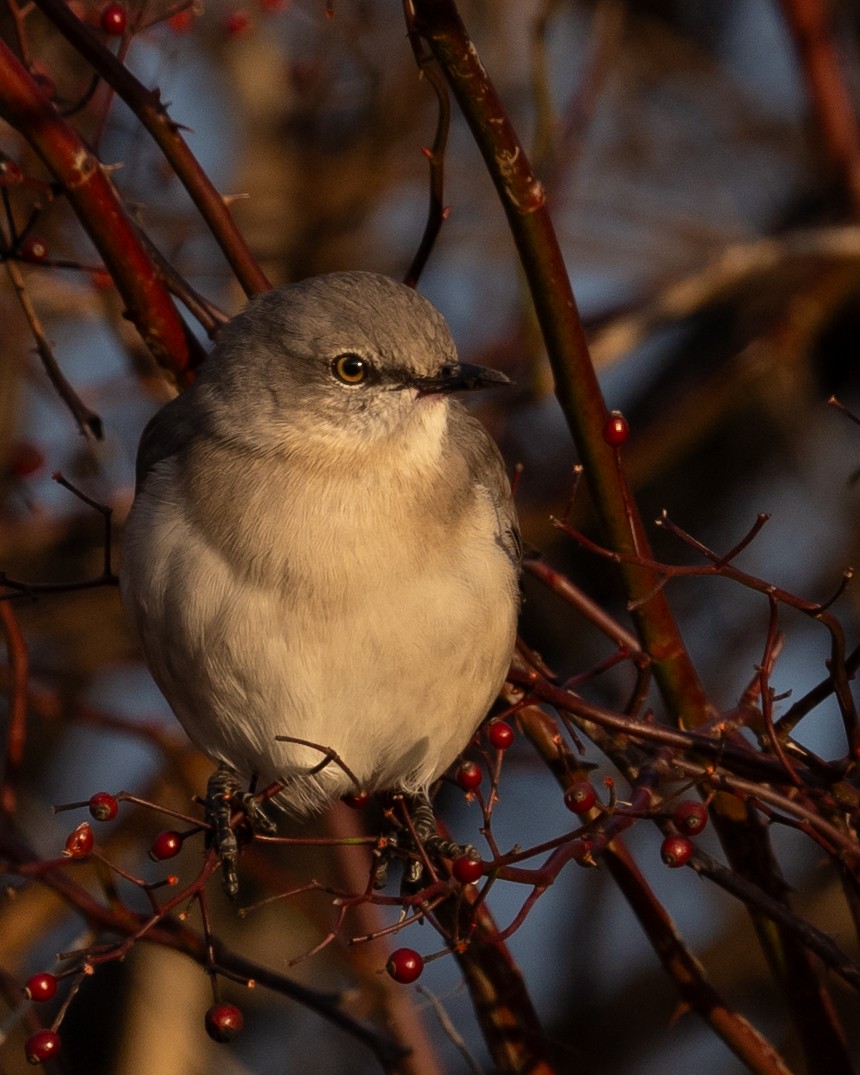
43,1044
689,819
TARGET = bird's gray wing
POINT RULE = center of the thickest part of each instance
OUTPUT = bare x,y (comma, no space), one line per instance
166,433
487,468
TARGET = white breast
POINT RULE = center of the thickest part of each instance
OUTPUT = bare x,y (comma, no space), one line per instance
339,610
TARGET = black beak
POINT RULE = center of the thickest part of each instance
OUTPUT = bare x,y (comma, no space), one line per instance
460,377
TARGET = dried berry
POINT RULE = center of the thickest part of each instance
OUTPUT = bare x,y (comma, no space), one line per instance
10,172
182,21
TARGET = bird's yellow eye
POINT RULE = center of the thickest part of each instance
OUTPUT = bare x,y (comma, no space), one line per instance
351,369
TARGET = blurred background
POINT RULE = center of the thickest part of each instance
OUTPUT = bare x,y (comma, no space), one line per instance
710,232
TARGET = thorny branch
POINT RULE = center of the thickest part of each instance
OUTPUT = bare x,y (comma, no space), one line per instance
773,777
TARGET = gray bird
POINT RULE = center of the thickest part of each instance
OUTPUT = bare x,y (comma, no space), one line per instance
323,546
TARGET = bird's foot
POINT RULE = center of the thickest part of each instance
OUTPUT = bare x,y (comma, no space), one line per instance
427,842
424,823
224,797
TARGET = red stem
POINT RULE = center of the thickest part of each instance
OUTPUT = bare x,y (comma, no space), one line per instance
97,205
524,202
147,106
17,734
829,93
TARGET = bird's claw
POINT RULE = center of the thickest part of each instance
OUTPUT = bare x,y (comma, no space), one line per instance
428,838
224,796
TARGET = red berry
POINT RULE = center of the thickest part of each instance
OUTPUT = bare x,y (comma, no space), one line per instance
113,19
467,869
41,986
182,21
303,74
224,1022
616,430
10,172
676,851
690,817
26,459
501,735
468,776
580,798
103,806
42,1046
356,799
34,249
237,23
165,846
405,965
101,279
80,842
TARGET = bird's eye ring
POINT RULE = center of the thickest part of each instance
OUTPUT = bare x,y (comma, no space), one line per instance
350,368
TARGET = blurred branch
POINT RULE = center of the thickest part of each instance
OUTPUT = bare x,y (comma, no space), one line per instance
512,1030
686,972
98,207
16,734
106,578
558,142
147,106
829,90
87,421
735,268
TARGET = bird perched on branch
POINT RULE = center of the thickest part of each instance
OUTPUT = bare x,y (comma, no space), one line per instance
321,562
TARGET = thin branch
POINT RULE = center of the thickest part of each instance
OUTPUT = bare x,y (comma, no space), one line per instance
97,205
149,109
523,199
830,92
437,214
87,421
16,735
